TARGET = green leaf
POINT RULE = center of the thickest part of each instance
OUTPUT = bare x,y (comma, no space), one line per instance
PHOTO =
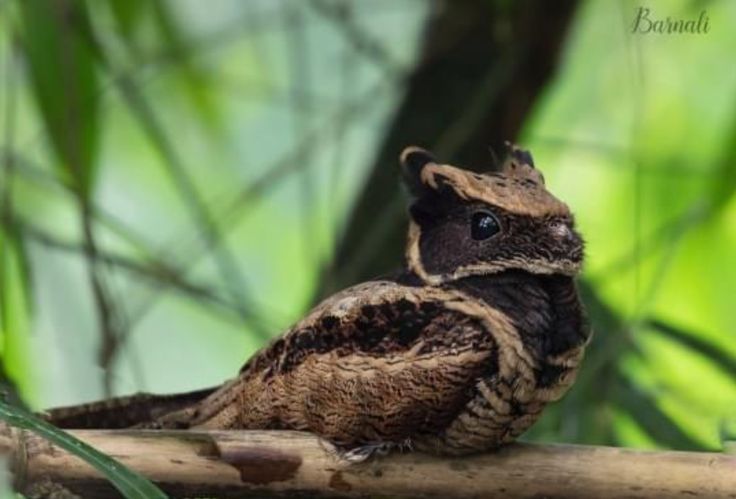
643,408
127,14
723,360
15,312
129,483
55,39
177,47
724,180
196,82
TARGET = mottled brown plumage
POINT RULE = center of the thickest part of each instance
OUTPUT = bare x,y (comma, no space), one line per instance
458,353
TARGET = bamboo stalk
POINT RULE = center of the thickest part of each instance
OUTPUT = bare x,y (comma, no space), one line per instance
281,463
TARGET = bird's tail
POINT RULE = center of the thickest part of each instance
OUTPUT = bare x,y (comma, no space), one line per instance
122,412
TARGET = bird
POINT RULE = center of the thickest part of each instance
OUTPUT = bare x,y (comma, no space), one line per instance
458,352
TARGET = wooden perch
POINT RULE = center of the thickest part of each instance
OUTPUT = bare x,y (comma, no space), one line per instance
281,463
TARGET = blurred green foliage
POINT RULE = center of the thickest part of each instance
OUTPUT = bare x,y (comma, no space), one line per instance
176,176
640,135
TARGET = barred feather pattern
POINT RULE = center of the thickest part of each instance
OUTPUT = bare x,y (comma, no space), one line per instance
387,362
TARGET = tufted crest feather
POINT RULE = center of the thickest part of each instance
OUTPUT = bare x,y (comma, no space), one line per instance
517,187
519,164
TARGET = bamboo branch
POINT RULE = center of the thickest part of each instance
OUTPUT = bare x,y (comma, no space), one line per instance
281,463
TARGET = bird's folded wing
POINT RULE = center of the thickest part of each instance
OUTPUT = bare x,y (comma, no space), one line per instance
378,362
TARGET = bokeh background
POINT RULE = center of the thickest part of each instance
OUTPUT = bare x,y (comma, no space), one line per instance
181,180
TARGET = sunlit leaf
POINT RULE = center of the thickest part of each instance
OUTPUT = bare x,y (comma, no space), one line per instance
721,359
55,39
643,408
724,183
130,484
15,313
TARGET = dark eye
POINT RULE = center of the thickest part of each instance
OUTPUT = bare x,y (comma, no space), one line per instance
483,225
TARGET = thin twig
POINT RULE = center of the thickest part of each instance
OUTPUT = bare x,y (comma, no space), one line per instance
109,328
159,272
231,214
301,78
342,128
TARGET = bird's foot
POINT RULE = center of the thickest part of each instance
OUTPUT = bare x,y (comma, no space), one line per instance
364,452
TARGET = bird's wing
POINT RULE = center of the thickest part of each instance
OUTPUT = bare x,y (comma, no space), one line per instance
378,362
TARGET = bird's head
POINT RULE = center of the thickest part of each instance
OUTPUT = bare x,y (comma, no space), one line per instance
466,224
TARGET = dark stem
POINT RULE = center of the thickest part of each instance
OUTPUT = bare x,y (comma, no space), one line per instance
105,307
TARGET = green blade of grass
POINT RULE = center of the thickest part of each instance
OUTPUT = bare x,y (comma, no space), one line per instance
15,313
129,483
64,82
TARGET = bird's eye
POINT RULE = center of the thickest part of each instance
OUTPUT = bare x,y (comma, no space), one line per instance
483,225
